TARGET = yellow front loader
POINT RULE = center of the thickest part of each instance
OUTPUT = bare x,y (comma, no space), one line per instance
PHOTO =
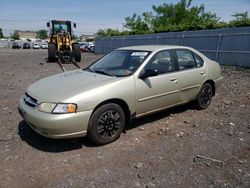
61,44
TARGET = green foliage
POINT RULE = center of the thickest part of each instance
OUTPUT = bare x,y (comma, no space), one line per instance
42,34
15,35
1,33
149,18
241,19
175,17
136,24
110,32
101,33
181,16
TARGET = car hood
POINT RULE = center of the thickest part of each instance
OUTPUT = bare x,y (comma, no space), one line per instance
61,87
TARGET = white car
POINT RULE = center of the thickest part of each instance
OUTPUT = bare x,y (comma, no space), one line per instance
36,46
44,46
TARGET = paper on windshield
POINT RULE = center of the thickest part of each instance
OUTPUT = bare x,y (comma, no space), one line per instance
139,54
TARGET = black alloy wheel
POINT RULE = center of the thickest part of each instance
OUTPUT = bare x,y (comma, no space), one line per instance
106,124
205,96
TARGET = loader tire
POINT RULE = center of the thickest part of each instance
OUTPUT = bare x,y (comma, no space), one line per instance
77,52
51,53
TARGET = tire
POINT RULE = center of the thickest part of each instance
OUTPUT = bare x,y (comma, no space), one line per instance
106,124
76,52
51,52
204,97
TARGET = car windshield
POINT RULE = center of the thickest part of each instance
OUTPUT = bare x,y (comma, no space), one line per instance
119,63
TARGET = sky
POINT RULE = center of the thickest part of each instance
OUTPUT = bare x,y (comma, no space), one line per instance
90,16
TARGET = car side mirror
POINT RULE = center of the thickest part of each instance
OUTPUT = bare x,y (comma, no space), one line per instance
74,25
148,73
48,24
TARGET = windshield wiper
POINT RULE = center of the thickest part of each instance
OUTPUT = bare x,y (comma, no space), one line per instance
97,71
88,69
103,72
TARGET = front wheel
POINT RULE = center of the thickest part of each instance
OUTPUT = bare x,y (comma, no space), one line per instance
106,124
204,97
77,52
51,52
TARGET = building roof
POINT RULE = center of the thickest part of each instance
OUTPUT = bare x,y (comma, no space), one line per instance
27,34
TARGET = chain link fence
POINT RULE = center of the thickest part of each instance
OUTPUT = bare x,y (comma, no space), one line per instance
229,46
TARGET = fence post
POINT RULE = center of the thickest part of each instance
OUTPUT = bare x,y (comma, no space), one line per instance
182,39
158,37
218,48
102,45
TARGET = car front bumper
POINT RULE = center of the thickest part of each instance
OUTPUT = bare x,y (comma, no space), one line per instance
55,125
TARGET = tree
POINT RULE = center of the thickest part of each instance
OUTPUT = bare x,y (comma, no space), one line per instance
149,18
172,17
15,35
108,32
175,17
101,33
183,16
1,33
42,34
136,24
241,19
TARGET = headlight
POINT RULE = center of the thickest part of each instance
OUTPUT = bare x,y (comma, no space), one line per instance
46,107
59,108
64,108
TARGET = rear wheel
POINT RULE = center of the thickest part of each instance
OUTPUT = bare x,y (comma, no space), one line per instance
51,52
77,52
204,97
106,124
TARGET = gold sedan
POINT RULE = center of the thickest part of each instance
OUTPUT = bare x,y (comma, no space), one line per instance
130,82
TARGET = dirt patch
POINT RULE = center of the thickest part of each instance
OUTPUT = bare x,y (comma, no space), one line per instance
157,150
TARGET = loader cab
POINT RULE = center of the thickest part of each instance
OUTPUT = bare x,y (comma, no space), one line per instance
57,27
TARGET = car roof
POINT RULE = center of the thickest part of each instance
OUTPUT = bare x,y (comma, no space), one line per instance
153,47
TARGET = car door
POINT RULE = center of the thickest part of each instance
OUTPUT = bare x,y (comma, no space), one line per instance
191,74
159,90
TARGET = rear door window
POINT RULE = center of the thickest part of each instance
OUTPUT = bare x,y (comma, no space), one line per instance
199,61
185,59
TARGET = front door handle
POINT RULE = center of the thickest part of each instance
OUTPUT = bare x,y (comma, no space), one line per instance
173,79
202,73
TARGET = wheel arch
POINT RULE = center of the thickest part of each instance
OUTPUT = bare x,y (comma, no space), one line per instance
122,104
74,42
211,82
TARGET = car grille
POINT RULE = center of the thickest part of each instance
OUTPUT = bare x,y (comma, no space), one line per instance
30,101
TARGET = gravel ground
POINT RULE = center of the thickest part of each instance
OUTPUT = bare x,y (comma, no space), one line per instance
160,150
